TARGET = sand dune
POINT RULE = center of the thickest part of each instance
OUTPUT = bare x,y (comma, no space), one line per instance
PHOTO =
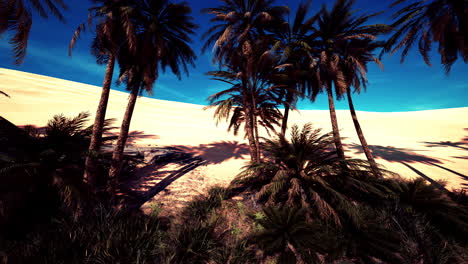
430,143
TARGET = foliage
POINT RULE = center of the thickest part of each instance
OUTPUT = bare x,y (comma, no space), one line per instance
201,207
48,175
286,227
427,22
305,171
102,235
16,16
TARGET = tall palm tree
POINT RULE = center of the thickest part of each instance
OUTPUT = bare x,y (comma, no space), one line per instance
290,43
113,31
16,16
426,22
237,99
335,28
162,40
357,54
238,24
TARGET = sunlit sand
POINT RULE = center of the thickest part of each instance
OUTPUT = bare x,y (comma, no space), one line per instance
431,144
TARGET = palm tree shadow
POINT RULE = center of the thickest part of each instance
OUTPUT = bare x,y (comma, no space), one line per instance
217,152
462,144
138,191
406,157
133,136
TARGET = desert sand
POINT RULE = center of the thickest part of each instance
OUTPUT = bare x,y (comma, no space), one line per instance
431,144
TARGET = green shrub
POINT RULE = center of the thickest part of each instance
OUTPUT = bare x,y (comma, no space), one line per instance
101,236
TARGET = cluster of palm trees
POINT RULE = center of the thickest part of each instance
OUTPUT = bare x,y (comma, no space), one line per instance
270,60
267,60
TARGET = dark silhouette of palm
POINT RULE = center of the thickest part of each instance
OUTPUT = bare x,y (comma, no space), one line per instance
290,43
113,31
252,101
427,22
3,93
162,41
334,31
16,16
357,54
240,26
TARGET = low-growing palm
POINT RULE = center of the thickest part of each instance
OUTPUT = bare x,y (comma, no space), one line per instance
49,175
286,231
441,211
304,172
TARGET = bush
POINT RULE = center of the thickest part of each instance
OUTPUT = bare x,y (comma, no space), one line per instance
101,236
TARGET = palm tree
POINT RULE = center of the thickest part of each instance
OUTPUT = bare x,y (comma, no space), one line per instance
425,22
304,172
254,99
230,105
238,25
16,16
290,43
5,94
334,31
287,232
358,53
355,48
113,31
449,217
162,40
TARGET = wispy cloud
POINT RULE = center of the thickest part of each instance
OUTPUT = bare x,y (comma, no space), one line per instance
78,62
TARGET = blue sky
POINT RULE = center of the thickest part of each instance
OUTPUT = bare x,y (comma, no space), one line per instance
400,87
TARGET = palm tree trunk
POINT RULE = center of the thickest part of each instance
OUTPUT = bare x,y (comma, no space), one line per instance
284,124
248,122
250,135
334,121
257,140
117,156
255,127
91,164
299,259
364,144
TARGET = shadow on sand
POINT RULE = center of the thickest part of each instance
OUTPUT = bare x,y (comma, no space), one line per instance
217,152
133,136
407,157
153,179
